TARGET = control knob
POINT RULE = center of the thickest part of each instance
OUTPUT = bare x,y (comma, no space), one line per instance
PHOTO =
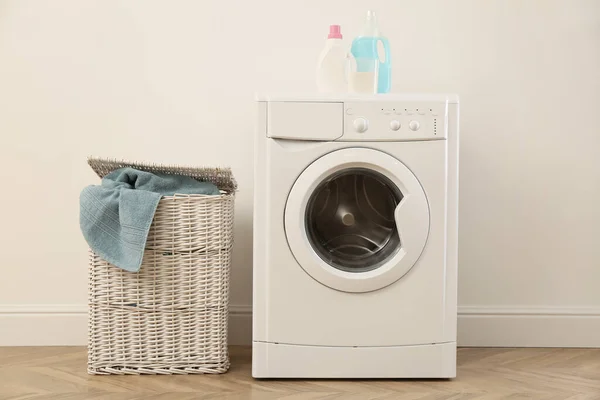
361,125
414,125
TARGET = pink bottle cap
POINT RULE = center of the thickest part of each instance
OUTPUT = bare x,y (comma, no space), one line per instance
335,32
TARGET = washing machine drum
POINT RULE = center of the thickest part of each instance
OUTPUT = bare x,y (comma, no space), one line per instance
357,226
350,220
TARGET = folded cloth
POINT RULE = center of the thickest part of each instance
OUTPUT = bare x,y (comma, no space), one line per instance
115,217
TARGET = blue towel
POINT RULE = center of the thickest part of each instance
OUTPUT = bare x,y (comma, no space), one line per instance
115,217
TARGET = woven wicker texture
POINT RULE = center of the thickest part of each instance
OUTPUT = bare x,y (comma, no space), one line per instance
171,317
221,177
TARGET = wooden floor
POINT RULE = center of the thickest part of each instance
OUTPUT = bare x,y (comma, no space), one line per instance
60,373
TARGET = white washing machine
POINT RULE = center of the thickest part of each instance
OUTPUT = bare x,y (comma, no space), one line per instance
355,237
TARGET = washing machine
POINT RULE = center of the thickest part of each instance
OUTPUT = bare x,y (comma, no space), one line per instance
355,236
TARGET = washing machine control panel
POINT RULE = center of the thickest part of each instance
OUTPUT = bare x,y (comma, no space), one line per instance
388,121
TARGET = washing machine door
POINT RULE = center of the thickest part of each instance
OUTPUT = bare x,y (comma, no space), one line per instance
357,220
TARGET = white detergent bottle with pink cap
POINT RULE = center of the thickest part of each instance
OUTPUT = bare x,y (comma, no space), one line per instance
331,76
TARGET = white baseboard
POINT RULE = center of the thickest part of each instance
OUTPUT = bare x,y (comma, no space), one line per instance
43,325
66,325
528,326
240,325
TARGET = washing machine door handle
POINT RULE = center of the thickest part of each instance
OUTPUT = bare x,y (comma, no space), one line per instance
412,222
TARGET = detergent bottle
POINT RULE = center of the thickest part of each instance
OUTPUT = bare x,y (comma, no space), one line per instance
331,65
365,46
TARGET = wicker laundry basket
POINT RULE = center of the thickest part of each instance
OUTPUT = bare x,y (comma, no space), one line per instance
171,316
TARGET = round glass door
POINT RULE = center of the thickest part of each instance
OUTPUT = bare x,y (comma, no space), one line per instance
350,220
356,220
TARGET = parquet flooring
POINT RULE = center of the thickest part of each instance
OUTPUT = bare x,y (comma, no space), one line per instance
483,373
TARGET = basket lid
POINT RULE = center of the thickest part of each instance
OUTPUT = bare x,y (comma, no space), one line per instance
221,177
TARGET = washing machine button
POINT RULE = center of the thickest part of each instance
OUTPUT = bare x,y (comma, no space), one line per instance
395,125
414,125
361,125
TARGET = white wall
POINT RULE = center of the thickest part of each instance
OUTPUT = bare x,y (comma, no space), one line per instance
173,81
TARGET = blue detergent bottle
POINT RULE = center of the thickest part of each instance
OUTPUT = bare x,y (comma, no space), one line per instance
365,46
